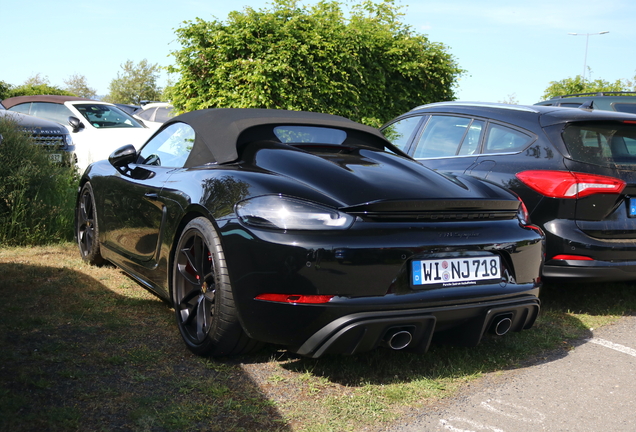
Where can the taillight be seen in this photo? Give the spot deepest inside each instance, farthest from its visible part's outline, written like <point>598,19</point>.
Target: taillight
<point>522,213</point>
<point>524,217</point>
<point>566,184</point>
<point>295,298</point>
<point>572,258</point>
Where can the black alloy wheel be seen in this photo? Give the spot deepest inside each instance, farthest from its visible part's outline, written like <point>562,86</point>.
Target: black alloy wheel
<point>86,228</point>
<point>202,294</point>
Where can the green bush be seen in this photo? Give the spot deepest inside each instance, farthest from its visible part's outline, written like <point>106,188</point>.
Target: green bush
<point>37,196</point>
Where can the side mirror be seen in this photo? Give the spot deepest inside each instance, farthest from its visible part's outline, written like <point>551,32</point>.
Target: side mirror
<point>123,156</point>
<point>75,123</point>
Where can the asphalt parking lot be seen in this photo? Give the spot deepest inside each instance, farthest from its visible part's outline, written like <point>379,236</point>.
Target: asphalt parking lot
<point>592,388</point>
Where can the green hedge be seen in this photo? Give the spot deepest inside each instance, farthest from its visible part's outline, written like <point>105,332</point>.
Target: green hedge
<point>37,196</point>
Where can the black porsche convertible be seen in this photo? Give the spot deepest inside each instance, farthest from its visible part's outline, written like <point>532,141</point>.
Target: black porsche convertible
<point>308,231</point>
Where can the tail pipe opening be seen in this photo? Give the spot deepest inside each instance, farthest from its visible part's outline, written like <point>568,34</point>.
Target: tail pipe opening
<point>398,338</point>
<point>501,324</point>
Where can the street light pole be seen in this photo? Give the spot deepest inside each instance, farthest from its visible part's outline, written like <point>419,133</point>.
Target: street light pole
<point>587,39</point>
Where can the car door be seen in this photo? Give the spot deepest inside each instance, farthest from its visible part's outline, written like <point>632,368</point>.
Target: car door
<point>508,150</point>
<point>135,209</point>
<point>505,152</point>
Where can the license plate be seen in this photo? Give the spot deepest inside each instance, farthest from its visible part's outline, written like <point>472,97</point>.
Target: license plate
<point>56,157</point>
<point>632,207</point>
<point>447,272</point>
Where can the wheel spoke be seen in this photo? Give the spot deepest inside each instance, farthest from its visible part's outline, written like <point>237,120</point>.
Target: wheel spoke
<point>84,241</point>
<point>87,207</point>
<point>209,295</point>
<point>187,253</point>
<point>202,319</point>
<point>199,255</point>
<point>83,207</point>
<point>187,298</point>
<point>188,313</point>
<point>192,279</point>
<point>189,269</point>
<point>82,215</point>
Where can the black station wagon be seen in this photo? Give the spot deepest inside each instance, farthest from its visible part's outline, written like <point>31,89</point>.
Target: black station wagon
<point>573,168</point>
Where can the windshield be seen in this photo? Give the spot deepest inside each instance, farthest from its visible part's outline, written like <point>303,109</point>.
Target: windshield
<point>106,116</point>
<point>602,143</point>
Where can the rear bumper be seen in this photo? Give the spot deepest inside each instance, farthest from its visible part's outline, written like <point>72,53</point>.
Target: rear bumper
<point>612,260</point>
<point>465,325</point>
<point>590,271</point>
<point>368,272</point>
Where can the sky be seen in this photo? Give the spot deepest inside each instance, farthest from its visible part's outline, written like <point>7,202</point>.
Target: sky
<point>510,49</point>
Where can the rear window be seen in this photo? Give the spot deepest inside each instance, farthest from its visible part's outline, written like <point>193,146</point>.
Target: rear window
<point>625,107</point>
<point>602,143</point>
<point>164,114</point>
<point>502,139</point>
<point>309,134</point>
<point>572,104</point>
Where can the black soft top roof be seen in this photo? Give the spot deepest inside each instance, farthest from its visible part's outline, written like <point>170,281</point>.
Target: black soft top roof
<point>221,132</point>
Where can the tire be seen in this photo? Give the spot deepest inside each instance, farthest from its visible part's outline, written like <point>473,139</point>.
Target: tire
<point>86,227</point>
<point>202,295</point>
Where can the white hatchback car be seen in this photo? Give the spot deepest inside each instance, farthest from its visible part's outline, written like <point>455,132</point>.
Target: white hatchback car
<point>98,128</point>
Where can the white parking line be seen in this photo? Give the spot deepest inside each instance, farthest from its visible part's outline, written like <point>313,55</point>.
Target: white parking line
<point>614,346</point>
<point>478,426</point>
<point>513,411</point>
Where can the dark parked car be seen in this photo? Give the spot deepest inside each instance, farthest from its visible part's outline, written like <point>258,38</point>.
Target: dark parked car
<point>608,101</point>
<point>97,127</point>
<point>574,169</point>
<point>310,231</point>
<point>54,137</point>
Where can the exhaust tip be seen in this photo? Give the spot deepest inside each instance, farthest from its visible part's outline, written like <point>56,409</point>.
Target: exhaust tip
<point>501,325</point>
<point>397,339</point>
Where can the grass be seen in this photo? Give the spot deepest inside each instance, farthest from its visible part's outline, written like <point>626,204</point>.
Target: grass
<point>37,196</point>
<point>86,348</point>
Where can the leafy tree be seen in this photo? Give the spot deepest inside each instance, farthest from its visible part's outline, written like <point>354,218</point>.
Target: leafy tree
<point>135,83</point>
<point>39,89</point>
<point>511,99</point>
<point>5,90</point>
<point>78,85</point>
<point>167,93</point>
<point>368,67</point>
<point>579,85</point>
<point>34,85</point>
<point>36,80</point>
